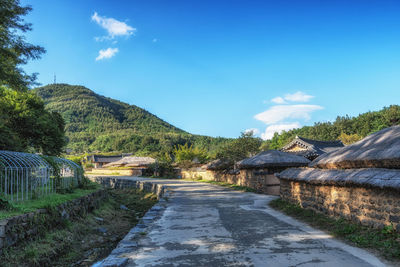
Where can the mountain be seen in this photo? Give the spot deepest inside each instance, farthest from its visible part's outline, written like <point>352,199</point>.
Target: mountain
<point>98,123</point>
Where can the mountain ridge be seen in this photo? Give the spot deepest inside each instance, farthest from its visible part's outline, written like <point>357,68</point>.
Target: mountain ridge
<point>91,118</point>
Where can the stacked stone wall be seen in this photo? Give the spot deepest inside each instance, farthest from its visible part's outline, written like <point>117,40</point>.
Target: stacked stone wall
<point>370,206</point>
<point>121,183</point>
<point>262,180</point>
<point>125,172</point>
<point>29,225</point>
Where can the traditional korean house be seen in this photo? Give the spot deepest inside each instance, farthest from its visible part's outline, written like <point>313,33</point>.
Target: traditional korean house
<point>309,148</point>
<point>360,182</point>
<point>137,164</point>
<point>258,172</point>
<point>100,160</point>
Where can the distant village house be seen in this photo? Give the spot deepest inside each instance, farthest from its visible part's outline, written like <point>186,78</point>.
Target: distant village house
<point>99,161</point>
<point>137,165</point>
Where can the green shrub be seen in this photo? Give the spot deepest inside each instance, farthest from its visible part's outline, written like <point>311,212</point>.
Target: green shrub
<point>245,146</point>
<point>187,155</point>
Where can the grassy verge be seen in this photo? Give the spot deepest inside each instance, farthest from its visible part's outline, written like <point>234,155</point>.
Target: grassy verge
<point>47,201</point>
<point>386,241</point>
<point>232,186</point>
<point>116,173</point>
<point>86,240</point>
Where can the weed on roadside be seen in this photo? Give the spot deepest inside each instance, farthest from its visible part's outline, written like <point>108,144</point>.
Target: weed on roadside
<point>385,241</point>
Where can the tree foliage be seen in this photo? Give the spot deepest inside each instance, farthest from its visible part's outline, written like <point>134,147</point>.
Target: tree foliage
<point>185,154</point>
<point>14,50</point>
<point>348,129</point>
<point>245,146</point>
<point>349,139</point>
<point>25,125</point>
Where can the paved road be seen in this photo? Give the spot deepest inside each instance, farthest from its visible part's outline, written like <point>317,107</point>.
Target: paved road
<point>208,225</point>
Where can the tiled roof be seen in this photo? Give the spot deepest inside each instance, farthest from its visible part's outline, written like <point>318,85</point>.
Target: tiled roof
<point>312,147</point>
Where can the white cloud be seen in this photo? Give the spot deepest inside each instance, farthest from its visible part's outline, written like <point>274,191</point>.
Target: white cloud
<point>278,128</point>
<point>284,115</point>
<point>113,27</point>
<point>107,53</point>
<point>298,97</point>
<point>281,112</point>
<point>255,131</point>
<point>278,100</point>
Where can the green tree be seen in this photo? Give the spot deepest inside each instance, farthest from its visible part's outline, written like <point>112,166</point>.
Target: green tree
<point>245,146</point>
<point>186,155</point>
<point>349,139</point>
<point>25,125</point>
<point>14,50</point>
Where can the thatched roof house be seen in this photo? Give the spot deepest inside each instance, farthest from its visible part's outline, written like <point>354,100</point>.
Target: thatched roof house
<point>367,159</point>
<point>218,164</point>
<point>100,160</point>
<point>274,159</point>
<point>311,149</point>
<point>359,182</point>
<point>378,150</point>
<point>132,162</point>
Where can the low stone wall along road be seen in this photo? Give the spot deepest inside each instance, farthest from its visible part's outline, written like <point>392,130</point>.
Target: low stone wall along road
<point>207,225</point>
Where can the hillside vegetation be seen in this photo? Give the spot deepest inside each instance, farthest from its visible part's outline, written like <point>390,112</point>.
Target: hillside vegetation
<point>348,129</point>
<point>97,123</point>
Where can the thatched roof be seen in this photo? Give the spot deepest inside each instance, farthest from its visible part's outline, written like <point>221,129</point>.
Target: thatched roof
<point>378,150</point>
<point>132,162</point>
<point>273,158</point>
<point>106,158</point>
<point>312,148</point>
<point>218,164</point>
<point>373,177</point>
<point>103,159</point>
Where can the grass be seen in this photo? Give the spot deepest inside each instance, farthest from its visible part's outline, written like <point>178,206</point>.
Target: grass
<point>385,242</point>
<point>84,241</point>
<point>116,173</point>
<point>232,186</point>
<point>46,201</point>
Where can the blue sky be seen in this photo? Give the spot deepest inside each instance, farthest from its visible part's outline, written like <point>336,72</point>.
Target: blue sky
<point>220,67</point>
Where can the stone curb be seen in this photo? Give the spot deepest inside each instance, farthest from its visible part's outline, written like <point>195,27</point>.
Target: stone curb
<point>119,257</point>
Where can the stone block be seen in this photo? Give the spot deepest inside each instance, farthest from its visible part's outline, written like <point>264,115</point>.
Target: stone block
<point>2,231</point>
<point>394,218</point>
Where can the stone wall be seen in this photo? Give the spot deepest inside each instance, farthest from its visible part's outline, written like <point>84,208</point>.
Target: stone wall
<point>25,226</point>
<point>262,180</point>
<point>125,172</point>
<point>370,206</point>
<point>120,183</point>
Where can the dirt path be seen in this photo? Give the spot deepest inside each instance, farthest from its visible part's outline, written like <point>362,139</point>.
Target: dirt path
<point>208,225</point>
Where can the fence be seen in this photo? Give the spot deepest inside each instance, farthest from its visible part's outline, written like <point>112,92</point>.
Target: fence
<point>25,176</point>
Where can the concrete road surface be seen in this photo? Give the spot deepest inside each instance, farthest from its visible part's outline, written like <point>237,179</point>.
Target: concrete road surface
<point>209,225</point>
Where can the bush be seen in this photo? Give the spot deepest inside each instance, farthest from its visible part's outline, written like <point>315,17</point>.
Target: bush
<point>161,169</point>
<point>245,146</point>
<point>188,155</point>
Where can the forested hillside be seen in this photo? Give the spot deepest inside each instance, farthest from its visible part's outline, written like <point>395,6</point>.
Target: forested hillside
<point>97,123</point>
<point>348,129</point>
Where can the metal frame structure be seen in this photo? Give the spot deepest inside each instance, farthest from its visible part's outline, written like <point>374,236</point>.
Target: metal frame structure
<point>25,176</point>
<point>69,172</point>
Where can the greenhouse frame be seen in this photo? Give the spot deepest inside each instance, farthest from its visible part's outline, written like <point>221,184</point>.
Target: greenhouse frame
<point>26,176</point>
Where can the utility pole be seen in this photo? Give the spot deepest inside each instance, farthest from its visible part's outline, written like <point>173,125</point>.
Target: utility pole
<point>55,79</point>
